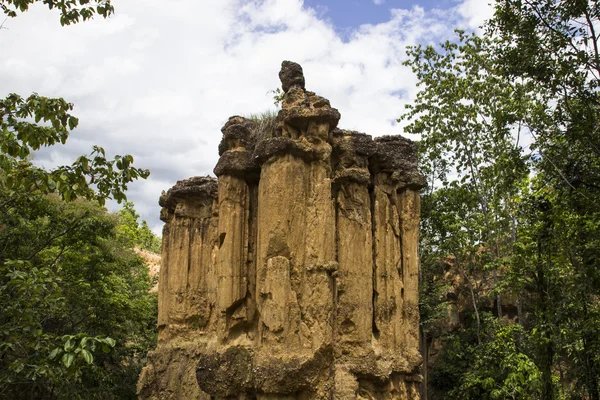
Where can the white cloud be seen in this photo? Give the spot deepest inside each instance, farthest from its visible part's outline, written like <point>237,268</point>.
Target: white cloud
<point>476,12</point>
<point>159,81</point>
<point>378,2</point>
<point>162,106</point>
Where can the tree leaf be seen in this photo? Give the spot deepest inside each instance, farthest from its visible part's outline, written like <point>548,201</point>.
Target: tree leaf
<point>87,356</point>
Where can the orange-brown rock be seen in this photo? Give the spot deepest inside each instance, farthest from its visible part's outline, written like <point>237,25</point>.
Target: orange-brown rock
<point>152,260</point>
<point>295,274</point>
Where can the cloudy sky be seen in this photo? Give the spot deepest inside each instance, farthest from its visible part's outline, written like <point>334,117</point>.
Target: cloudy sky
<point>158,79</point>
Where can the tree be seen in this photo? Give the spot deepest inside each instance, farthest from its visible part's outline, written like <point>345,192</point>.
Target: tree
<point>137,234</point>
<point>76,313</point>
<point>91,177</point>
<point>554,46</point>
<point>465,116</point>
<point>498,367</point>
<point>472,153</point>
<point>509,126</point>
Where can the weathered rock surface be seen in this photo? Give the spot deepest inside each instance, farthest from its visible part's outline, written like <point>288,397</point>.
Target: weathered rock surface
<point>295,274</point>
<point>291,75</point>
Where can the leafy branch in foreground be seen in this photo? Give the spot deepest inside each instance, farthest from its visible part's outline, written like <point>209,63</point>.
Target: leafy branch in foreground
<point>71,11</point>
<point>92,176</point>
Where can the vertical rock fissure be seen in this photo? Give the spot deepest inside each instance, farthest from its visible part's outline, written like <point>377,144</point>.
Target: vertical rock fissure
<point>333,275</point>
<point>251,260</point>
<point>403,254</point>
<point>189,250</point>
<point>374,251</point>
<point>394,203</point>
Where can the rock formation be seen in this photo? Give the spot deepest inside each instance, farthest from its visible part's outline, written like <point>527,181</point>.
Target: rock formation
<point>294,275</point>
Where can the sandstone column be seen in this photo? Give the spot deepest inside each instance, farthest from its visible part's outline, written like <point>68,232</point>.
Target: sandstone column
<point>396,185</point>
<point>186,290</point>
<point>354,243</point>
<point>409,182</point>
<point>235,267</point>
<point>388,297</point>
<point>296,234</point>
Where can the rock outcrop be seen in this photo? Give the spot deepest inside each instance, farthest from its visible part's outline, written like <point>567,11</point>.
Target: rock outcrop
<point>152,260</point>
<point>294,275</point>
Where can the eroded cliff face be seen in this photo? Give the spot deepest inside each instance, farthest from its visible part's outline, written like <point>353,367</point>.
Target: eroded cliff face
<point>294,275</point>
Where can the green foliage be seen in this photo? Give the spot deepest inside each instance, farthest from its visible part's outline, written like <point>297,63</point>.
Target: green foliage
<point>496,368</point>
<point>465,113</point>
<point>76,306</point>
<point>136,234</point>
<point>510,144</point>
<point>500,369</point>
<point>554,46</point>
<point>92,176</point>
<point>278,95</point>
<point>73,300</point>
<point>466,116</point>
<point>71,11</point>
<point>76,312</point>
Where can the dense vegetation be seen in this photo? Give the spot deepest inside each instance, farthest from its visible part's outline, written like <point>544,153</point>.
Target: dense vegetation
<point>510,144</point>
<point>136,234</point>
<point>76,313</point>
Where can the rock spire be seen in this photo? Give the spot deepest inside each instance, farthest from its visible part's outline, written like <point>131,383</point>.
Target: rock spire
<point>294,273</point>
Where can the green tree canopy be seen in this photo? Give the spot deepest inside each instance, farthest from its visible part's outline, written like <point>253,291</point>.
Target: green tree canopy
<point>76,312</point>
<point>509,125</point>
<point>136,233</point>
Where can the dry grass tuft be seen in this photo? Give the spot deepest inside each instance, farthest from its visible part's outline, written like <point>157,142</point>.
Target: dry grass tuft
<point>264,124</point>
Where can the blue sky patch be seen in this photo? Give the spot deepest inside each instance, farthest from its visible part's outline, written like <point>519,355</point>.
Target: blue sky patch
<point>346,15</point>
<point>401,94</point>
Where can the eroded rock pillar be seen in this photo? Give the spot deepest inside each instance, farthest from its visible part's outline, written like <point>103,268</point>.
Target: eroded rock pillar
<point>296,256</point>
<point>354,243</point>
<point>409,205</point>
<point>297,276</point>
<point>396,185</point>
<point>237,198</point>
<point>187,290</point>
